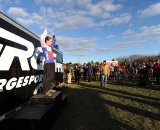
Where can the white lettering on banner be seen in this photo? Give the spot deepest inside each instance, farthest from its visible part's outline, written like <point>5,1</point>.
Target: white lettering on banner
<point>2,83</point>
<point>9,53</point>
<point>25,81</point>
<point>1,47</point>
<point>19,82</point>
<point>59,66</point>
<point>31,79</point>
<point>11,83</point>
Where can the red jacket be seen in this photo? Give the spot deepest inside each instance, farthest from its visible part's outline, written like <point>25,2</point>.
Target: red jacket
<point>156,68</point>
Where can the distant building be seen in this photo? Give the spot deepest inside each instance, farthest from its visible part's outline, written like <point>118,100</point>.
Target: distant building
<point>115,63</point>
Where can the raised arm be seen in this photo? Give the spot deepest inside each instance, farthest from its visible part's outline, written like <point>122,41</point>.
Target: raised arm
<point>43,36</point>
<point>53,41</point>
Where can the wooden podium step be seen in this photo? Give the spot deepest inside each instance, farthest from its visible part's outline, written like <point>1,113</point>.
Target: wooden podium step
<point>43,99</point>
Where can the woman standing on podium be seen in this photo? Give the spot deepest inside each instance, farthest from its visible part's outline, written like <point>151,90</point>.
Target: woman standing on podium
<point>47,44</point>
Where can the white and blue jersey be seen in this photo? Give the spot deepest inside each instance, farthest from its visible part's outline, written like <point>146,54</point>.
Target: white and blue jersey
<point>47,50</point>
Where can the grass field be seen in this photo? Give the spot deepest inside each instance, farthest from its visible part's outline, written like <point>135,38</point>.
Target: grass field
<point>117,107</point>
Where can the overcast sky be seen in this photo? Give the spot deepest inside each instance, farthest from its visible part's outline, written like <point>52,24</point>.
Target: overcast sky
<point>92,29</point>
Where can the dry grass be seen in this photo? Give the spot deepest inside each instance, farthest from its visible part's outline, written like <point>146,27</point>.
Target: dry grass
<point>117,107</point>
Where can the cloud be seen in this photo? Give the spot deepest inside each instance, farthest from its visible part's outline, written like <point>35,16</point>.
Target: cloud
<point>1,8</point>
<point>122,44</point>
<point>152,10</point>
<point>145,35</point>
<point>122,19</point>
<point>34,18</point>
<point>9,2</point>
<point>109,6</point>
<point>1,5</point>
<point>39,2</point>
<point>107,49</point>
<point>17,11</point>
<point>77,45</point>
<point>110,36</point>
<point>102,8</point>
<point>127,33</point>
<point>69,14</point>
<point>94,8</point>
<point>72,19</point>
<point>150,30</point>
<point>24,18</point>
<point>75,21</point>
<point>12,1</point>
<point>5,3</point>
<point>148,33</point>
<point>116,47</point>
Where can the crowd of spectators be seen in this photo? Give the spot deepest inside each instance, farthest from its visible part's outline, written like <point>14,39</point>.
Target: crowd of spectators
<point>144,72</point>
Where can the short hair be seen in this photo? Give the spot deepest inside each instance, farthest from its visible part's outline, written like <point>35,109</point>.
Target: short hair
<point>104,61</point>
<point>47,38</point>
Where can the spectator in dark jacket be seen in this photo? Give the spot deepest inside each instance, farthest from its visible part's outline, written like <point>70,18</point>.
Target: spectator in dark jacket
<point>90,72</point>
<point>85,69</point>
<point>77,74</point>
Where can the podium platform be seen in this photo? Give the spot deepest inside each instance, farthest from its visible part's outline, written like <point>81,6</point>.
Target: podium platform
<point>39,115</point>
<point>43,99</point>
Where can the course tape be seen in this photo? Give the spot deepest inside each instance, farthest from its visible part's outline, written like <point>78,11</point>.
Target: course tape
<point>13,111</point>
